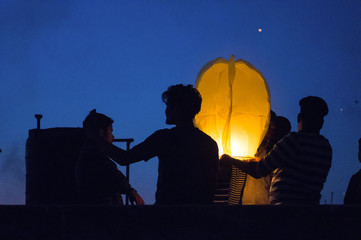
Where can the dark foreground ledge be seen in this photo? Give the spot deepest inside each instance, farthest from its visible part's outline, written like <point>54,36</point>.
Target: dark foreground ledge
<point>180,222</point>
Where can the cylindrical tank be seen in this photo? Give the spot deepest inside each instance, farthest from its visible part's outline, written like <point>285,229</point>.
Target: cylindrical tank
<point>50,159</point>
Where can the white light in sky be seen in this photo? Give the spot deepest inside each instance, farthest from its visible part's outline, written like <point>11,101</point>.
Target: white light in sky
<point>259,29</point>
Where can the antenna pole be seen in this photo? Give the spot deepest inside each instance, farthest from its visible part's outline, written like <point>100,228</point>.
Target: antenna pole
<point>38,118</point>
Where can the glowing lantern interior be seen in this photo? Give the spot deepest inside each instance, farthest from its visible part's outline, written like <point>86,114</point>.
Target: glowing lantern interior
<point>235,107</point>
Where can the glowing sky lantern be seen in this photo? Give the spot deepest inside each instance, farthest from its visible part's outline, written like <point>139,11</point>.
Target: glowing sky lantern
<point>235,107</point>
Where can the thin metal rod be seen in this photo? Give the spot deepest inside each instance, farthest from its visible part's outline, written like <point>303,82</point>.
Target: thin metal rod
<point>127,170</point>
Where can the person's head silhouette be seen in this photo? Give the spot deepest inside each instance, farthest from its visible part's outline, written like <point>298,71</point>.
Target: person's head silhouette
<point>283,127</point>
<point>183,103</point>
<point>310,118</point>
<point>272,126</point>
<point>100,124</point>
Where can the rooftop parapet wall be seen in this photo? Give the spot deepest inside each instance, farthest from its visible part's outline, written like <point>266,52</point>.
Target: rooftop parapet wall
<point>180,222</point>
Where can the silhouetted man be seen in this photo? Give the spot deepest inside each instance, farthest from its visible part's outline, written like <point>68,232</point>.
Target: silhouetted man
<point>188,158</point>
<point>353,193</point>
<point>301,160</point>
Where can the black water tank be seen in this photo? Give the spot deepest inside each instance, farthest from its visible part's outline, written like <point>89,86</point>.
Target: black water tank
<point>50,158</point>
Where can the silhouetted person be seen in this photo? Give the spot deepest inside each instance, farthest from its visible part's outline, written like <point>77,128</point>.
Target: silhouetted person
<point>353,193</point>
<point>256,191</point>
<point>188,158</point>
<point>300,161</point>
<point>282,128</point>
<point>97,177</point>
<point>267,142</point>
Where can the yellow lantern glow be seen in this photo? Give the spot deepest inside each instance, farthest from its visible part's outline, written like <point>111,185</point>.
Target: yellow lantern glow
<point>236,106</point>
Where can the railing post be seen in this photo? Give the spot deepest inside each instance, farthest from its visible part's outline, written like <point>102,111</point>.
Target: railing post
<point>127,170</point>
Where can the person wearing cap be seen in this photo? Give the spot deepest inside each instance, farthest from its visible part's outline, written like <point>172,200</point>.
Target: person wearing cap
<point>300,161</point>
<point>353,193</point>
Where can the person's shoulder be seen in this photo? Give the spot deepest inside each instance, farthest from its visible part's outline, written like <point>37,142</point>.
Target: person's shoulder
<point>325,141</point>
<point>315,139</point>
<point>91,154</point>
<point>159,134</point>
<point>313,136</point>
<point>163,131</point>
<point>316,136</point>
<point>89,147</point>
<point>290,136</point>
<point>205,136</point>
<point>357,175</point>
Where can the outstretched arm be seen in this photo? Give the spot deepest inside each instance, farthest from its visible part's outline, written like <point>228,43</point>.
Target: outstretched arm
<point>122,157</point>
<point>142,151</point>
<point>276,158</point>
<point>249,167</point>
<point>119,155</point>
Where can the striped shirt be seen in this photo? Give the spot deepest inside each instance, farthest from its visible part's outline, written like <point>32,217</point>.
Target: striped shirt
<point>301,162</point>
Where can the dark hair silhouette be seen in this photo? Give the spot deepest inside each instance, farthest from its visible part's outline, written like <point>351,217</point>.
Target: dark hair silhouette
<point>186,99</point>
<point>273,116</point>
<point>283,127</point>
<point>97,121</point>
<point>271,127</point>
<point>313,109</point>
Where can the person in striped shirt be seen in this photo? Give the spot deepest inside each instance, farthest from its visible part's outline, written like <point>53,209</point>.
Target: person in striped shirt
<point>300,161</point>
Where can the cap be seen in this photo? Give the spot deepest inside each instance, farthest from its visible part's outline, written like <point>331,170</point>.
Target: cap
<point>314,107</point>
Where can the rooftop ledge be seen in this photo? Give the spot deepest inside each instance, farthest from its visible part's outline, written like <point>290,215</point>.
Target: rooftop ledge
<point>180,222</point>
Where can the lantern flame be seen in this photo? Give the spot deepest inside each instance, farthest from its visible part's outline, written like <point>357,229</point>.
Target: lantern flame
<point>236,106</point>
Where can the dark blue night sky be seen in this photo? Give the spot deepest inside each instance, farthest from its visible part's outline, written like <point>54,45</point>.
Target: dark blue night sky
<point>64,58</point>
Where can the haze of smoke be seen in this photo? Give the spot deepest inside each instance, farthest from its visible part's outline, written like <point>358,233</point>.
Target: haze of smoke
<point>12,175</point>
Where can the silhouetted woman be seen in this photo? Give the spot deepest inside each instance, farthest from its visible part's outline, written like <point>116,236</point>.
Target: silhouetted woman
<point>98,179</point>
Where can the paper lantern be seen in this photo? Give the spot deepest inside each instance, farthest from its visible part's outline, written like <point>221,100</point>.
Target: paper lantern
<point>236,106</point>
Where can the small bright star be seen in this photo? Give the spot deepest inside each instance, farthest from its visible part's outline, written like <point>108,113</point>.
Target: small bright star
<point>259,29</point>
